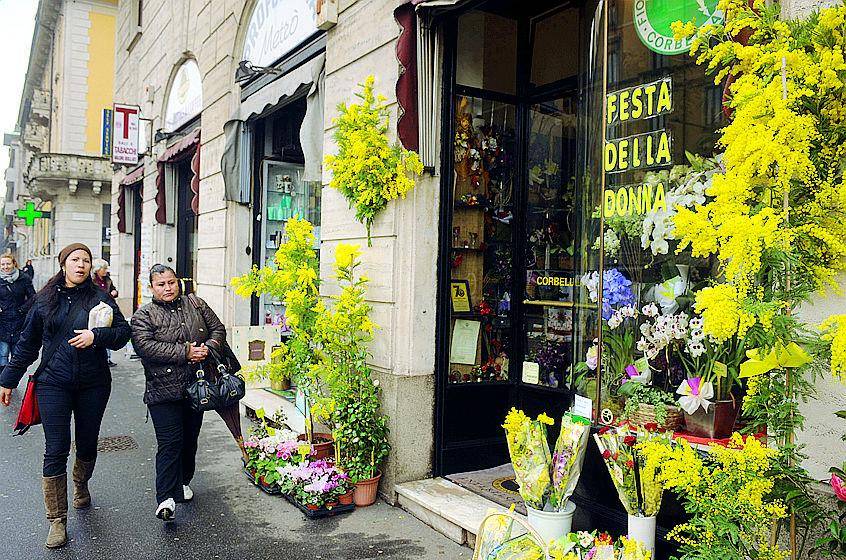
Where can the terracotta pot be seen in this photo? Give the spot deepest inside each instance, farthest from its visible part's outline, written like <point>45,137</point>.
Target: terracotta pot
<point>346,499</point>
<point>716,423</point>
<point>365,491</point>
<point>280,384</point>
<point>324,446</point>
<point>312,507</point>
<point>330,505</point>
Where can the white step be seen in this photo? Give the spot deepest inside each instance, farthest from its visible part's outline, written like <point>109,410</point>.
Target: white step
<point>446,507</point>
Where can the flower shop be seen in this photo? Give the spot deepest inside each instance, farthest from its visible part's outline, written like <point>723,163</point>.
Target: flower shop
<point>638,198</point>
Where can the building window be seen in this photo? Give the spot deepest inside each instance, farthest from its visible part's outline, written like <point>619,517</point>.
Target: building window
<point>135,19</point>
<point>106,243</point>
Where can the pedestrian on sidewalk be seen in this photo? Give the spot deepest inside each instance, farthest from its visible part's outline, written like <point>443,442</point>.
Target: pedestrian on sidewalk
<point>100,275</point>
<point>28,269</point>
<point>73,378</point>
<point>172,335</point>
<point>15,291</point>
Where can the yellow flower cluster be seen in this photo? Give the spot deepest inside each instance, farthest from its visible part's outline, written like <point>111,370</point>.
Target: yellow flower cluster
<point>367,169</point>
<point>834,331</point>
<point>723,313</point>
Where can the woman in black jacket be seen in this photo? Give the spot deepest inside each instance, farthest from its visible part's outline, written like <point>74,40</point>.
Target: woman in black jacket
<point>172,335</point>
<point>15,290</point>
<point>72,379</point>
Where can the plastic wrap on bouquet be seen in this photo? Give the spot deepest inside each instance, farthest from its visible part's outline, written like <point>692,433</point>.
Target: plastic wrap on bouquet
<point>567,460</point>
<point>520,548</point>
<point>530,457</point>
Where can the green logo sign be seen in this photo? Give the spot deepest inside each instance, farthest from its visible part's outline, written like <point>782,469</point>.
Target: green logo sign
<point>653,20</point>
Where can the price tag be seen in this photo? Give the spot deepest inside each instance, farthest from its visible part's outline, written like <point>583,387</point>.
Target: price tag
<point>583,406</point>
<point>720,369</point>
<point>531,373</point>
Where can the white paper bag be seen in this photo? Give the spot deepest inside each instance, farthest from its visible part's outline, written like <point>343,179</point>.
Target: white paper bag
<point>100,316</point>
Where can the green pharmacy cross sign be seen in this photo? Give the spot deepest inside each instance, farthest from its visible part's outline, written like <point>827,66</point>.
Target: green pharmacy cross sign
<point>29,214</point>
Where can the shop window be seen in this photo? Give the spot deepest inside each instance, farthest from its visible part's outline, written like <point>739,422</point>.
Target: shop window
<point>487,52</point>
<point>555,55</point>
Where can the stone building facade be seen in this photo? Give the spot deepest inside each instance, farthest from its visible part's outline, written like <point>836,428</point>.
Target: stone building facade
<point>59,165</point>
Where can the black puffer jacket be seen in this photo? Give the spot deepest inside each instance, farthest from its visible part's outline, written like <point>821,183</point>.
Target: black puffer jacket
<point>161,335</point>
<point>69,366</point>
<point>13,297</point>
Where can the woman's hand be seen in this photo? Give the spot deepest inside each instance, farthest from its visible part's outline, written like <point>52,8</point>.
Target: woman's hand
<point>113,293</point>
<point>197,353</point>
<point>5,396</point>
<point>83,339</point>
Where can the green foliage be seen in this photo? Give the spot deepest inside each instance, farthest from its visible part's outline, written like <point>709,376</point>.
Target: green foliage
<point>368,170</point>
<point>638,393</point>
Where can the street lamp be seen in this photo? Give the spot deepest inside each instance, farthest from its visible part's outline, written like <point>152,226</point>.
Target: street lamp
<point>246,71</point>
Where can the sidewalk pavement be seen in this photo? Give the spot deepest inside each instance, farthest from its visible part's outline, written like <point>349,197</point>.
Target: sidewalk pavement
<point>229,519</point>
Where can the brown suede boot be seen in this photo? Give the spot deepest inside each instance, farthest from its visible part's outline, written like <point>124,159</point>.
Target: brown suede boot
<point>56,503</point>
<point>82,471</point>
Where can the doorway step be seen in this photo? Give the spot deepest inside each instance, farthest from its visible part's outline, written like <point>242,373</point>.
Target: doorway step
<point>446,507</point>
<point>497,484</point>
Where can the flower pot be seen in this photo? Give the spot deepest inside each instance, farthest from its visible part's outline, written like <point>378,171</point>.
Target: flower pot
<point>280,384</point>
<point>346,499</point>
<point>716,423</point>
<point>330,505</point>
<point>312,507</point>
<point>365,491</point>
<point>551,525</point>
<point>323,445</point>
<point>642,529</point>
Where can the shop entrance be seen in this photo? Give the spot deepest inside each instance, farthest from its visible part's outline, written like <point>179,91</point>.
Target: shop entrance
<point>186,221</point>
<point>510,324</point>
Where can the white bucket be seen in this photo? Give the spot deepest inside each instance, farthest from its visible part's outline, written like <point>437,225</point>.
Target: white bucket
<point>643,529</point>
<point>551,525</point>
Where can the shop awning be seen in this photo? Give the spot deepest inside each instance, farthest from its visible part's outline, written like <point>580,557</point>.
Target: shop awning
<point>130,179</point>
<point>133,176</point>
<point>187,146</point>
<point>178,151</point>
<point>310,75</point>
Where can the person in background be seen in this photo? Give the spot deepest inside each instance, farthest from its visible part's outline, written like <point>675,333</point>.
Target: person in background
<point>72,380</point>
<point>172,335</point>
<point>28,269</point>
<point>100,275</point>
<point>15,291</point>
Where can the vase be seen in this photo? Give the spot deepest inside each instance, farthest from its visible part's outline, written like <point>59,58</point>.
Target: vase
<point>715,423</point>
<point>551,525</point>
<point>365,491</point>
<point>346,499</point>
<point>280,384</point>
<point>642,529</point>
<point>323,445</point>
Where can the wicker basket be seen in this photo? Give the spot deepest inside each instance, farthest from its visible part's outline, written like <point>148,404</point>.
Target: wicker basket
<point>645,414</point>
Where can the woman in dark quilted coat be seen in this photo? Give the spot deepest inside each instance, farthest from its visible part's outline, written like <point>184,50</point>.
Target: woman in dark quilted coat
<point>172,335</point>
<point>72,379</point>
<point>15,291</point>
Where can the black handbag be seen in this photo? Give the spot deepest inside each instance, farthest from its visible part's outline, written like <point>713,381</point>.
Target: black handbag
<point>202,394</point>
<point>231,387</point>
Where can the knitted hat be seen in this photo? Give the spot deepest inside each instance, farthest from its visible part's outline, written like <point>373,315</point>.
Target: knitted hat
<point>65,253</point>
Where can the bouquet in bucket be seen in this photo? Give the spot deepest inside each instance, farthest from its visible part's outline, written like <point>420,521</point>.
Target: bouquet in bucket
<point>546,480</point>
<point>637,486</point>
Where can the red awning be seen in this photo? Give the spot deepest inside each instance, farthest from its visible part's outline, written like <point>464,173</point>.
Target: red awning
<point>188,146</point>
<point>406,89</point>
<point>180,149</point>
<point>133,176</point>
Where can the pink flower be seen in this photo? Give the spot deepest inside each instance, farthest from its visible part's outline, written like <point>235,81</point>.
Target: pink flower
<point>839,487</point>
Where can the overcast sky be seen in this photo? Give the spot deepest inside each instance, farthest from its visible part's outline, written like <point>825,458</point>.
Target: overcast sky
<point>17,19</point>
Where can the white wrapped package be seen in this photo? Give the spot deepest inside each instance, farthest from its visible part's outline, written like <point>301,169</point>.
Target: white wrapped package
<point>100,316</point>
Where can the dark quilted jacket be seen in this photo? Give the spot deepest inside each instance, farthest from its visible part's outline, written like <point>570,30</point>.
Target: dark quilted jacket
<point>69,366</point>
<point>13,297</point>
<point>161,334</point>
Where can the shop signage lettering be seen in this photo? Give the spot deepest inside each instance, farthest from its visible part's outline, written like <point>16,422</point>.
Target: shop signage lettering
<point>639,102</point>
<point>651,149</point>
<point>653,21</point>
<point>125,134</point>
<point>276,27</point>
<point>185,98</point>
<point>634,200</point>
<point>557,281</point>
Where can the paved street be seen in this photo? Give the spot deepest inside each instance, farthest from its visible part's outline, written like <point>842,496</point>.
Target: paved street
<point>229,518</point>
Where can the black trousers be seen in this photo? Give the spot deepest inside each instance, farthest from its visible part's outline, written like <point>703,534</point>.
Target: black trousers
<point>177,430</point>
<point>56,404</point>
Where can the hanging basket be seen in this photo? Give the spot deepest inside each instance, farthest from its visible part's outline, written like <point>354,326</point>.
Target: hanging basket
<point>646,414</point>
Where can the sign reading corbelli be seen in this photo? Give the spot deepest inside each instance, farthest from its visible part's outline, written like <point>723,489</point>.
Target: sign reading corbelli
<point>276,27</point>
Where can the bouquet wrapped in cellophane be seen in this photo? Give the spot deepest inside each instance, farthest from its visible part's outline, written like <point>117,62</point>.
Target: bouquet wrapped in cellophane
<point>530,456</point>
<point>546,481</point>
<point>638,489</point>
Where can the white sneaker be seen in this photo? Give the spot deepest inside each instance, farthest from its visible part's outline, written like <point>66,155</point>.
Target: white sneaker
<point>187,493</point>
<point>166,510</point>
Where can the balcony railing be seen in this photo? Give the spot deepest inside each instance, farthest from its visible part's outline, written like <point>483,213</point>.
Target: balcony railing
<point>69,166</point>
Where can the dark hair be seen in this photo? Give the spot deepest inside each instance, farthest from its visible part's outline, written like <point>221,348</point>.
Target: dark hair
<point>159,268</point>
<point>49,294</point>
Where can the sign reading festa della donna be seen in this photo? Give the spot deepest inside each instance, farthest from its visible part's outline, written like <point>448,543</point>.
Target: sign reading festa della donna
<point>639,151</point>
<point>125,134</point>
<point>276,27</point>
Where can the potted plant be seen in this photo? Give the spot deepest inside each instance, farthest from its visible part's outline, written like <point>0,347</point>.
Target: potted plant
<point>546,480</point>
<point>647,404</point>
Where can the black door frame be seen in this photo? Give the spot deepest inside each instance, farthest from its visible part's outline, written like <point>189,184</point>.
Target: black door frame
<point>137,221</point>
<point>184,217</point>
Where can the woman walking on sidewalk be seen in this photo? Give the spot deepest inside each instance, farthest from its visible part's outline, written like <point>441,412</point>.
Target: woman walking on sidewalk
<point>72,378</point>
<point>15,291</point>
<point>172,335</point>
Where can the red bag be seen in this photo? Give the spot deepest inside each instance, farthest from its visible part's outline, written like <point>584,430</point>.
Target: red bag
<point>28,415</point>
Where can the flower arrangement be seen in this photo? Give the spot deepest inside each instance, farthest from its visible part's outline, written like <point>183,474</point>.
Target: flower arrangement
<point>637,485</point>
<point>267,453</point>
<point>314,483</point>
<point>728,493</point>
<point>546,480</point>
<point>368,170</point>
